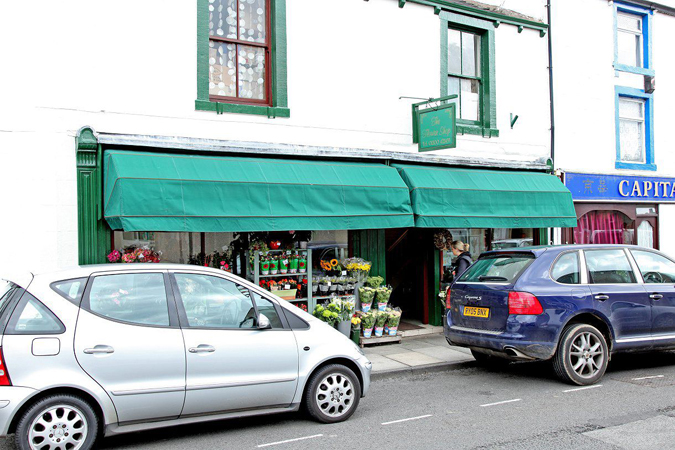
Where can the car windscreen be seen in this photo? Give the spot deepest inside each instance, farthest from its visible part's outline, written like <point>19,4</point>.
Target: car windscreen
<point>498,268</point>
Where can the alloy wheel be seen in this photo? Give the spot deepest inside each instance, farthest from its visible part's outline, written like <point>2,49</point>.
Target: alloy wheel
<point>335,395</point>
<point>586,355</point>
<point>60,427</point>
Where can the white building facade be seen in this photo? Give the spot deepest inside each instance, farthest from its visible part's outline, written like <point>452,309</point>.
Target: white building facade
<point>612,119</point>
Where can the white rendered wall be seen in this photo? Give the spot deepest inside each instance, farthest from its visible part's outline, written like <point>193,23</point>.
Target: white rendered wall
<point>129,67</point>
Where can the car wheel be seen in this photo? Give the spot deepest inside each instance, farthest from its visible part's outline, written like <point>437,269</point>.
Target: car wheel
<point>582,355</point>
<point>489,360</point>
<point>62,422</point>
<point>332,394</point>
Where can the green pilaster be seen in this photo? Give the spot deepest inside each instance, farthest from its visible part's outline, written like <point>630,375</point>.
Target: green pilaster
<point>435,313</point>
<point>370,245</point>
<point>93,232</point>
<point>543,236</point>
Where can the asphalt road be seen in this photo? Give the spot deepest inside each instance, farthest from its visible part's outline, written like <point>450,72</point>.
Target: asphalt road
<point>522,406</point>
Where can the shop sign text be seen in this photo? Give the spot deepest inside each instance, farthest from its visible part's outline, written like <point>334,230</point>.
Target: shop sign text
<point>620,187</point>
<point>437,128</point>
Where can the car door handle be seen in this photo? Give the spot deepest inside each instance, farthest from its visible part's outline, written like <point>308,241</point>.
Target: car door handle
<point>602,297</point>
<point>203,348</point>
<point>656,296</point>
<point>99,349</point>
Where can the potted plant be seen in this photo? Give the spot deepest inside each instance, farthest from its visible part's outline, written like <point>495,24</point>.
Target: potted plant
<point>274,265</point>
<point>265,266</point>
<point>393,321</point>
<point>283,264</point>
<point>327,314</point>
<point>315,285</point>
<point>293,264</point>
<point>366,296</point>
<point>380,320</point>
<point>333,285</point>
<point>323,286</point>
<point>367,324</point>
<point>382,296</point>
<point>374,282</point>
<point>302,263</point>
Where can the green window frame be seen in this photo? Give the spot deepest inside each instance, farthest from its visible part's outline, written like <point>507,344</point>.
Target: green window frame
<point>277,67</point>
<point>486,125</point>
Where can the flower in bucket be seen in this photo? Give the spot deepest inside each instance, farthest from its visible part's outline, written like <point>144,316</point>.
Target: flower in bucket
<point>382,295</point>
<point>393,320</point>
<point>114,256</point>
<point>356,322</point>
<point>367,323</point>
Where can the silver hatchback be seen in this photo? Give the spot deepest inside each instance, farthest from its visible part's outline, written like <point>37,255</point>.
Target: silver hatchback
<point>102,350</point>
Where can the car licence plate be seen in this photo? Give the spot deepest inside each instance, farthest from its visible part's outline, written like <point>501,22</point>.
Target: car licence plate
<point>476,312</point>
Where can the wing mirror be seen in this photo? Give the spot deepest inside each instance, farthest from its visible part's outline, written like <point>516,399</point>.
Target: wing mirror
<point>263,322</point>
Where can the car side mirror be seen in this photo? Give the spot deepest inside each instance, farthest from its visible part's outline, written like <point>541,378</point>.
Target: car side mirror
<point>263,322</point>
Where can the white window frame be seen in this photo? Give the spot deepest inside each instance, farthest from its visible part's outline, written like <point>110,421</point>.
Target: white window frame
<point>638,120</point>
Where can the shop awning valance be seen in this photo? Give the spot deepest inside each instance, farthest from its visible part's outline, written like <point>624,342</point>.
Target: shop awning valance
<point>469,198</point>
<point>167,192</point>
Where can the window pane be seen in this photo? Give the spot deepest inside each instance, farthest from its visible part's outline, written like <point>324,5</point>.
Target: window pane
<point>453,89</point>
<point>470,54</point>
<point>71,289</point>
<point>266,307</point>
<point>251,72</point>
<point>604,227</point>
<point>223,18</point>
<point>631,109</point>
<point>608,267</point>
<point>222,78</point>
<point>32,317</point>
<point>215,302</point>
<point>629,22</point>
<point>629,48</point>
<point>252,20</point>
<point>645,235</point>
<point>135,298</point>
<point>566,269</point>
<point>470,100</point>
<point>632,141</point>
<point>654,267</point>
<point>454,55</point>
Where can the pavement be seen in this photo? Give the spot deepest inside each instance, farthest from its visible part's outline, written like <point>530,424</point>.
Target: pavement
<point>414,355</point>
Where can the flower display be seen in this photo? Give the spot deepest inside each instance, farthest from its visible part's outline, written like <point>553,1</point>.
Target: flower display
<point>134,255</point>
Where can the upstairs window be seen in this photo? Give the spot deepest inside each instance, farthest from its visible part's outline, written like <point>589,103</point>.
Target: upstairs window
<point>632,39</point>
<point>468,71</point>
<point>239,50</point>
<point>634,129</point>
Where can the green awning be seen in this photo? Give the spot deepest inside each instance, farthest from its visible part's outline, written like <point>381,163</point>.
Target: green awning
<point>469,198</point>
<point>166,192</point>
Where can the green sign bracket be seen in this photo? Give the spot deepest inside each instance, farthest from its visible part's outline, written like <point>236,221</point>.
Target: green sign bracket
<point>434,127</point>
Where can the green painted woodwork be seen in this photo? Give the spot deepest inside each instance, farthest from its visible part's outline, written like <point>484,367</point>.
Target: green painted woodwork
<point>170,192</point>
<point>487,125</point>
<point>469,198</point>
<point>435,309</point>
<point>93,232</point>
<point>495,17</point>
<point>278,56</point>
<point>543,236</point>
<point>370,245</point>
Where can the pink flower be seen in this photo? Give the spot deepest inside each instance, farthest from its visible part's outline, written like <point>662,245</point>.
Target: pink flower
<point>114,256</point>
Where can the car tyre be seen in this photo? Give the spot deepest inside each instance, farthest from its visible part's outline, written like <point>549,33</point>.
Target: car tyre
<point>582,355</point>
<point>489,360</point>
<point>332,394</point>
<point>60,421</point>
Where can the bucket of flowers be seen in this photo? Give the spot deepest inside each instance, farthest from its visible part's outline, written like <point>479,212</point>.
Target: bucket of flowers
<point>380,320</point>
<point>391,328</point>
<point>357,267</point>
<point>367,324</point>
<point>345,310</point>
<point>356,328</point>
<point>134,255</point>
<point>327,314</point>
<point>382,297</point>
<point>366,296</point>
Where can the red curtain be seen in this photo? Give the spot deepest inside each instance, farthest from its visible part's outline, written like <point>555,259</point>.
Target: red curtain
<point>601,227</point>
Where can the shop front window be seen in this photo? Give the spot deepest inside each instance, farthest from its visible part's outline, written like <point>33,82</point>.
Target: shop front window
<point>604,227</point>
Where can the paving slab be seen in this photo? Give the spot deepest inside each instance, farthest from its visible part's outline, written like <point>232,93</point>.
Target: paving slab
<point>383,364</point>
<point>446,354</point>
<point>414,358</point>
<point>650,434</point>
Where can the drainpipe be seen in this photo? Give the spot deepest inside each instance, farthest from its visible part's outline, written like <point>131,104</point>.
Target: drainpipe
<point>550,80</point>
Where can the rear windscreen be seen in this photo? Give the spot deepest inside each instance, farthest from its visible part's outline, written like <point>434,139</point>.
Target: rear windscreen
<point>499,268</point>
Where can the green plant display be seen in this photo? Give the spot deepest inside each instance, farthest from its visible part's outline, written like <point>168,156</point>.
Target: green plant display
<point>374,282</point>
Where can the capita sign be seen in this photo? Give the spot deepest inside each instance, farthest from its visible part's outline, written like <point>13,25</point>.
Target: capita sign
<point>621,188</point>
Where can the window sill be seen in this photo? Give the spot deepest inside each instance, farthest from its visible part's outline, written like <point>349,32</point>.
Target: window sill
<point>635,166</point>
<point>218,107</point>
<point>477,130</point>
<point>633,69</point>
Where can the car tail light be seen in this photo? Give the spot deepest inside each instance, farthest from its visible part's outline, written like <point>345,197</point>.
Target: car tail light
<point>4,375</point>
<point>524,303</point>
<point>448,302</point>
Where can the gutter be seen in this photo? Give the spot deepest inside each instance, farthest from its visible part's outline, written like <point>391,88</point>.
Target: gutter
<point>657,7</point>
<point>550,82</point>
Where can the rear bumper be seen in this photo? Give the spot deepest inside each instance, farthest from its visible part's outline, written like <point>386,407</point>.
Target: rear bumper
<point>11,399</point>
<point>509,345</point>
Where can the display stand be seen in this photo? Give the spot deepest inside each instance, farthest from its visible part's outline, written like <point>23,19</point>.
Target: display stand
<point>256,276</point>
<point>380,340</point>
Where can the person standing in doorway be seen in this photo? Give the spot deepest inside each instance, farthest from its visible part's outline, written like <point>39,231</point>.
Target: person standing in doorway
<point>463,261</point>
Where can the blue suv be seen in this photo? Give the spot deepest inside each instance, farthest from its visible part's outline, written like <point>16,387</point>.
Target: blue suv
<point>574,305</point>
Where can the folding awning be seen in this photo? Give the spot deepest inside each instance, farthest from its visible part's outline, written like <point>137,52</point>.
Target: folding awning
<point>171,192</point>
<point>469,198</point>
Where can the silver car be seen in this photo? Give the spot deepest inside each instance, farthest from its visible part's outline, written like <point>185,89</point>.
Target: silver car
<point>102,350</point>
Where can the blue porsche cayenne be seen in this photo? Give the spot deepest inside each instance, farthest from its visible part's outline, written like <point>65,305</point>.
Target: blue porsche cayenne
<point>573,305</point>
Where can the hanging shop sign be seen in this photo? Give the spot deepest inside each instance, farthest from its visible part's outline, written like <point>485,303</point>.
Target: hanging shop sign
<point>620,188</point>
<point>434,127</point>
